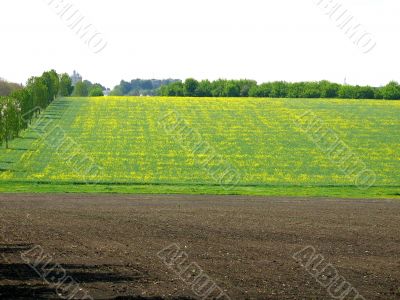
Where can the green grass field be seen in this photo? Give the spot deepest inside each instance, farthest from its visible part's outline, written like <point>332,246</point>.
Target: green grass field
<point>147,145</point>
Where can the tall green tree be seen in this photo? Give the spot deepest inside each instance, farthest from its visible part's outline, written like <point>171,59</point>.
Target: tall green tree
<point>245,86</point>
<point>204,89</point>
<point>81,89</point>
<point>39,91</point>
<point>279,89</point>
<point>218,88</point>
<point>66,87</point>
<point>190,87</point>
<point>231,89</point>
<point>328,89</point>
<point>25,100</point>
<point>174,89</point>
<point>96,91</point>
<point>10,119</point>
<point>52,83</point>
<point>391,91</point>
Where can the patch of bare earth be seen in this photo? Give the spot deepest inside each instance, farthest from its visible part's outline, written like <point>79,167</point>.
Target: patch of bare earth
<point>109,244</point>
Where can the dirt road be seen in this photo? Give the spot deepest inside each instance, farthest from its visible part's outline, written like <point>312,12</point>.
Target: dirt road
<point>109,246</point>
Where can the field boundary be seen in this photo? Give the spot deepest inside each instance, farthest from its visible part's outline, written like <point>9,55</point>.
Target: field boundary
<point>383,192</point>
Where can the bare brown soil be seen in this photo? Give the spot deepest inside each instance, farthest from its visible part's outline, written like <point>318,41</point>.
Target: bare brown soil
<point>109,244</point>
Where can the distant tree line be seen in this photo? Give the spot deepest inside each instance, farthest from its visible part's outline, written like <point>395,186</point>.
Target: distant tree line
<point>19,107</point>
<point>6,88</point>
<point>138,87</point>
<point>278,89</point>
<point>86,88</point>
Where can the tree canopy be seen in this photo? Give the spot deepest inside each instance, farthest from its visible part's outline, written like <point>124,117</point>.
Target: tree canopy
<point>66,87</point>
<point>278,89</point>
<point>137,87</point>
<point>18,109</point>
<point>87,89</point>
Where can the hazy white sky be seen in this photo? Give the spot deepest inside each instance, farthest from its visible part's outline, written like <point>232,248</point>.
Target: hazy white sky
<point>292,40</point>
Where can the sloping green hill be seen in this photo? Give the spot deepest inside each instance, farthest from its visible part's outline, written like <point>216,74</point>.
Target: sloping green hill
<point>210,145</point>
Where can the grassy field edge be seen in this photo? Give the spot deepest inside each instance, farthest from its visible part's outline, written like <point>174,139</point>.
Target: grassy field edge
<point>383,192</point>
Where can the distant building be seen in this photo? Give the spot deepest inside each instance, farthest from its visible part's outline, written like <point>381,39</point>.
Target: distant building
<point>75,78</point>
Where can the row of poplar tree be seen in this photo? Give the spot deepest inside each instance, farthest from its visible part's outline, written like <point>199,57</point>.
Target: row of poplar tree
<point>18,109</point>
